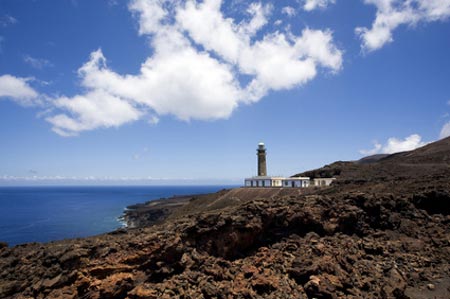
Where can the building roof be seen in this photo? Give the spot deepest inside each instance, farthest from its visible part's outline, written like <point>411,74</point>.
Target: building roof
<point>265,177</point>
<point>277,178</point>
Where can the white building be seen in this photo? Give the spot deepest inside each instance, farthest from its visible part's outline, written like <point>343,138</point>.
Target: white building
<point>298,182</point>
<point>320,182</point>
<point>268,181</point>
<point>264,181</point>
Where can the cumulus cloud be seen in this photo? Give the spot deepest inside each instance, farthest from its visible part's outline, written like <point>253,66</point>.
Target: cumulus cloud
<point>394,13</point>
<point>445,131</point>
<point>395,145</point>
<point>199,56</point>
<point>96,109</point>
<point>410,143</point>
<point>310,5</point>
<point>17,89</point>
<point>377,148</point>
<point>37,63</point>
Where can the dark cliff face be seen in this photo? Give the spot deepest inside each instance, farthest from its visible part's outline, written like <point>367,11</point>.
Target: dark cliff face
<point>386,235</point>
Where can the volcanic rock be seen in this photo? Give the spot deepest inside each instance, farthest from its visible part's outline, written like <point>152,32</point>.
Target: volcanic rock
<point>382,230</point>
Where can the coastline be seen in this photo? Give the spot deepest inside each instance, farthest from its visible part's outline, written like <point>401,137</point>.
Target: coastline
<point>156,211</point>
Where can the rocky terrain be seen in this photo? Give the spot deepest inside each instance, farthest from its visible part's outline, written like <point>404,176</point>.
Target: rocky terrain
<point>381,231</point>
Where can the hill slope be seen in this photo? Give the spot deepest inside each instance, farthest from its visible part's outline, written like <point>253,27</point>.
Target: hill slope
<point>431,160</point>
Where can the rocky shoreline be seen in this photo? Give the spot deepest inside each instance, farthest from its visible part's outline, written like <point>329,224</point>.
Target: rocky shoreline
<point>152,212</point>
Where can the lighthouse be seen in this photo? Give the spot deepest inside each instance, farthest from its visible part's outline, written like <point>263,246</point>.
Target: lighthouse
<point>261,153</point>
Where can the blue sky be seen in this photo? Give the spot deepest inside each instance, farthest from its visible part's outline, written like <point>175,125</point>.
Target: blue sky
<point>182,91</point>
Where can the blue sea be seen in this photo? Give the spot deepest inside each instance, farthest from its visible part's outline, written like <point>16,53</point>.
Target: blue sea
<point>43,214</point>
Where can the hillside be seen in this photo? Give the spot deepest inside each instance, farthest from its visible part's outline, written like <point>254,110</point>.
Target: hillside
<point>382,231</point>
<point>430,160</point>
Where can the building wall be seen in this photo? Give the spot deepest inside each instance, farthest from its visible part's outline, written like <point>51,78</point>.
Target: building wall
<point>323,181</point>
<point>287,183</point>
<point>277,183</point>
<point>258,183</point>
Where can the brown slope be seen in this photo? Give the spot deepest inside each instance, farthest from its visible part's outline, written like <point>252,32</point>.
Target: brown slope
<point>434,153</point>
<point>432,159</point>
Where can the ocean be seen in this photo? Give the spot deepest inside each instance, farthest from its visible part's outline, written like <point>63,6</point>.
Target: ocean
<point>43,214</point>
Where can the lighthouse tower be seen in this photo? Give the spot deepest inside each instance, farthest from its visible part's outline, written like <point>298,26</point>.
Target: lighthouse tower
<point>261,153</point>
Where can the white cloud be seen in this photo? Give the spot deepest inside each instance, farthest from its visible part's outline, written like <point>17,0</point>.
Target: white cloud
<point>394,13</point>
<point>310,5</point>
<point>198,58</point>
<point>445,131</point>
<point>37,63</point>
<point>181,82</point>
<point>289,11</point>
<point>96,109</point>
<point>395,145</point>
<point>17,89</point>
<point>377,147</point>
<point>277,61</point>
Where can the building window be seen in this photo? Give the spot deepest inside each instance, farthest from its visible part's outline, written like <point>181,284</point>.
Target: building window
<point>263,183</point>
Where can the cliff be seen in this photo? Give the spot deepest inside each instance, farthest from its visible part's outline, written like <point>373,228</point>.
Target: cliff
<point>382,231</point>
